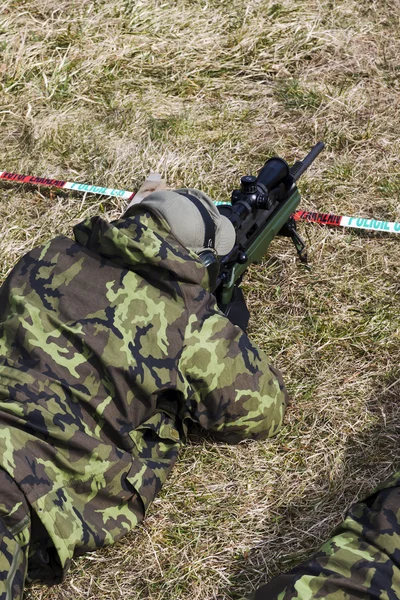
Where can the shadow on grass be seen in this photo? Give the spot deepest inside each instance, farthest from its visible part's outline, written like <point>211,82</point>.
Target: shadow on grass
<point>371,456</point>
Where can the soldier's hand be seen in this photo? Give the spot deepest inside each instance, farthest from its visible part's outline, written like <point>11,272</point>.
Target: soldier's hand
<point>152,183</point>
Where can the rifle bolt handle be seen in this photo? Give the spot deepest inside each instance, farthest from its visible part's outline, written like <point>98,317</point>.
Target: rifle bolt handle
<point>242,258</point>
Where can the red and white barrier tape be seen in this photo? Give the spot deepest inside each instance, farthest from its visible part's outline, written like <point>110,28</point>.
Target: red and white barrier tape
<point>300,215</point>
<point>66,185</point>
<point>342,221</point>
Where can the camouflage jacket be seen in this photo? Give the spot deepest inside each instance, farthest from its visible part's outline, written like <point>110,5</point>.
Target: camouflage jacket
<point>110,346</point>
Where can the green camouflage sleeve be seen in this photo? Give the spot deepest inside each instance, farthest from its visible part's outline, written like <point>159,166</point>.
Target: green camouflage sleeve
<point>15,531</point>
<point>361,560</point>
<point>234,393</point>
<point>13,564</point>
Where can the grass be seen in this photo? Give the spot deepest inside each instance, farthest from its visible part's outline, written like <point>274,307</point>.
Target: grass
<point>104,92</point>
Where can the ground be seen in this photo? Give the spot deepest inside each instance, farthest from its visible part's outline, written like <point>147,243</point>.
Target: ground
<point>203,91</point>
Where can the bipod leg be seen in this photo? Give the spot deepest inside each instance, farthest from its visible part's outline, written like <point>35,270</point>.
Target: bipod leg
<point>289,230</point>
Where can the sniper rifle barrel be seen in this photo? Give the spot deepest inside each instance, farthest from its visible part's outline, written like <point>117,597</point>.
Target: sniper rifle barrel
<point>302,165</point>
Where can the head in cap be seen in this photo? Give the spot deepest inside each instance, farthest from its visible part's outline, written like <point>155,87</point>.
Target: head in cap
<point>194,219</point>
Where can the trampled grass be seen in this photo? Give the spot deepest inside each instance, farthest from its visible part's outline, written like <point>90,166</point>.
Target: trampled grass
<point>205,91</point>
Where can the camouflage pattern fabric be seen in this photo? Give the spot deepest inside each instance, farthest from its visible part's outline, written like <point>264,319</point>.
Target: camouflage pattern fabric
<point>110,346</point>
<point>15,523</point>
<point>361,560</point>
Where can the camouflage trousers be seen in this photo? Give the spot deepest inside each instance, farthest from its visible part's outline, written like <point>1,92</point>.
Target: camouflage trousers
<point>361,560</point>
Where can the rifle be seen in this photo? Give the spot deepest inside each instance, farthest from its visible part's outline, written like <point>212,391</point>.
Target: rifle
<point>260,210</point>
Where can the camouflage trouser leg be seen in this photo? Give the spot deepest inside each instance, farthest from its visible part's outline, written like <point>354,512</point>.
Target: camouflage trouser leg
<point>14,538</point>
<point>361,560</point>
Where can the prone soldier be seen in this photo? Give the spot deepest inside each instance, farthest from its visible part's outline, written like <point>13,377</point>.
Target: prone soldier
<point>111,346</point>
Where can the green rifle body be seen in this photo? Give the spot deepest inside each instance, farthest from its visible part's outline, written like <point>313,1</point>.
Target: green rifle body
<point>260,211</point>
<point>257,249</point>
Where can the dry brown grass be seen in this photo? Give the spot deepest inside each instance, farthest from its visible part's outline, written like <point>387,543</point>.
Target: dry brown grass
<point>205,91</point>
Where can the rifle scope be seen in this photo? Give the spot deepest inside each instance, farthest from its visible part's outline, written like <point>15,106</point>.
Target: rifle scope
<point>274,173</point>
<point>262,192</point>
<point>272,186</point>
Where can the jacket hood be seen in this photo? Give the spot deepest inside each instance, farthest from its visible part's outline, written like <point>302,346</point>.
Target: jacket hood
<point>141,240</point>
